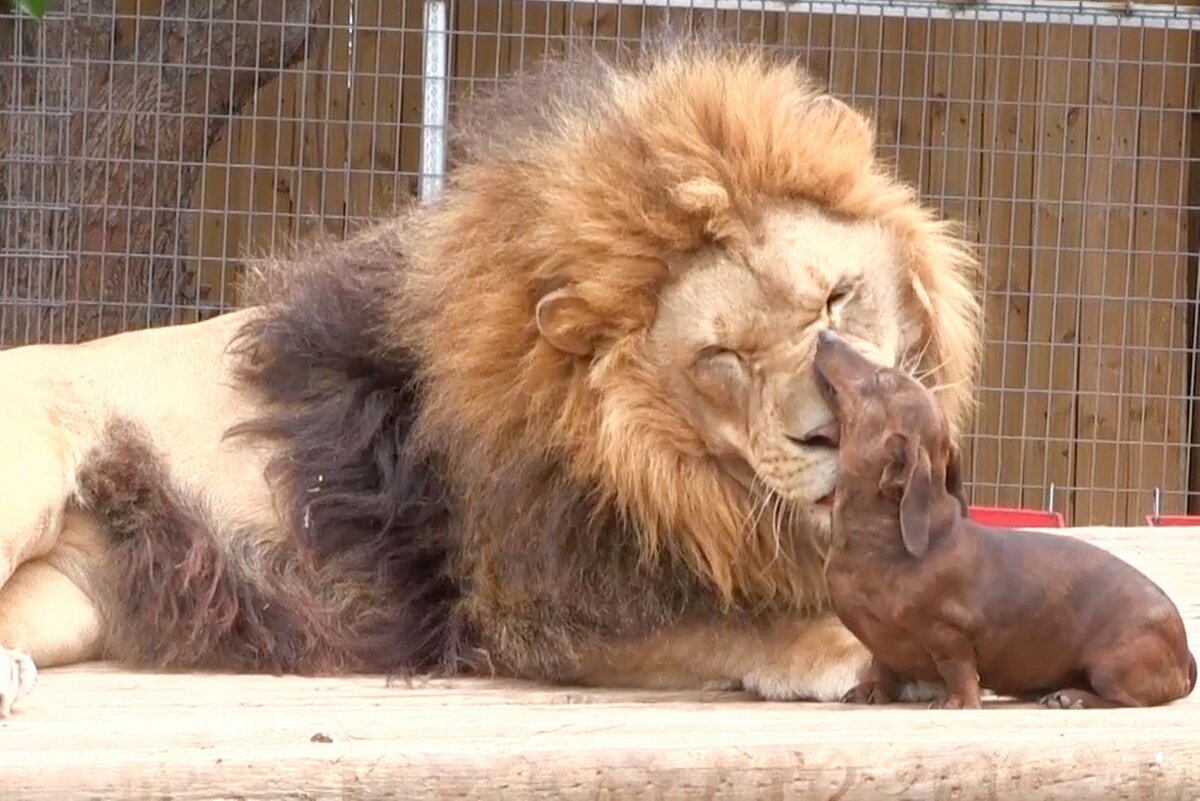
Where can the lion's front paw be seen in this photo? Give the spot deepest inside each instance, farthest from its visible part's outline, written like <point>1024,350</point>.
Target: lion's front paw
<point>18,677</point>
<point>867,692</point>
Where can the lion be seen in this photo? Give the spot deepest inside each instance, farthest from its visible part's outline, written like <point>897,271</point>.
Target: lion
<point>559,424</point>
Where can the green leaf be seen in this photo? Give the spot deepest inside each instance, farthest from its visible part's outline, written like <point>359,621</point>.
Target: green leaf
<point>34,8</point>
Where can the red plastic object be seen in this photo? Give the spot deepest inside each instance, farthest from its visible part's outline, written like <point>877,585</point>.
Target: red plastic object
<point>1173,520</point>
<point>1005,517</point>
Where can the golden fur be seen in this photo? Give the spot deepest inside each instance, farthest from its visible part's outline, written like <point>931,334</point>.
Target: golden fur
<point>560,423</point>
<point>614,201</point>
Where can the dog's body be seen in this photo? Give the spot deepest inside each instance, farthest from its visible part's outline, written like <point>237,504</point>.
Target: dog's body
<point>934,595</point>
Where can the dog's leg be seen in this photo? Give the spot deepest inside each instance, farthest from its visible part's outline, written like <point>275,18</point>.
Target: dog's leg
<point>881,686</point>
<point>1145,670</point>
<point>954,657</point>
<point>962,685</point>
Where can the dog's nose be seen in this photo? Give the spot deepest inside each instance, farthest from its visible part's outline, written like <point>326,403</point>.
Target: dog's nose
<point>823,436</point>
<point>826,337</point>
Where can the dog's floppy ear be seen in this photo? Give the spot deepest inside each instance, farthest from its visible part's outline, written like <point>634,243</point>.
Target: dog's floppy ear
<point>918,497</point>
<point>954,483</point>
<point>908,476</point>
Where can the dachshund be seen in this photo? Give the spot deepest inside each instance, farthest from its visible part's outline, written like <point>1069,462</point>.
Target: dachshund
<point>937,597</point>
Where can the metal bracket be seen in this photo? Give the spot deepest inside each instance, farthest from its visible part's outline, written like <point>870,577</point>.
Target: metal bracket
<point>434,98</point>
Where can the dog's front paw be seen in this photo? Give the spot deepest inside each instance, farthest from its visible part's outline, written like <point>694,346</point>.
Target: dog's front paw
<point>18,677</point>
<point>952,701</point>
<point>867,692</point>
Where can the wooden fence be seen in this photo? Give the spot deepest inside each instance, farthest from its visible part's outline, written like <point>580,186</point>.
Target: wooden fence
<point>1066,149</point>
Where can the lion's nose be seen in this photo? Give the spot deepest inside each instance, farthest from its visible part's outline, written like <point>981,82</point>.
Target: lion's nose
<point>823,436</point>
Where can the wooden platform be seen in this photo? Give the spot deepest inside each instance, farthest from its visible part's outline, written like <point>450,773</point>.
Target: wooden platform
<point>98,733</point>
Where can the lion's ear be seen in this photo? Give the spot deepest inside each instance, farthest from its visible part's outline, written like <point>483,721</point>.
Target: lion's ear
<point>566,321</point>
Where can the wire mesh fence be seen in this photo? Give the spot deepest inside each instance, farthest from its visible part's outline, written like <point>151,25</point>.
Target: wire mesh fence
<point>150,146</point>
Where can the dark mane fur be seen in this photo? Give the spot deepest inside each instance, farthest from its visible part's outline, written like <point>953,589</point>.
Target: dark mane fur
<point>343,404</point>
<point>513,568</point>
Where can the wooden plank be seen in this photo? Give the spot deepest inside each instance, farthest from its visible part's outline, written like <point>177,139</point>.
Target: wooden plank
<point>478,49</point>
<point>1006,183</point>
<point>258,182</point>
<point>323,100</point>
<point>1155,379</point>
<point>1192,221</point>
<point>537,28</point>
<point>1101,466</point>
<point>863,82</point>
<point>386,95</point>
<point>243,195</point>
<point>904,80</point>
<point>955,127</point>
<point>751,26</point>
<point>1048,426</point>
<point>411,99</point>
<point>616,29</point>
<point>200,736</point>
<point>809,34</point>
<point>953,166</point>
<point>844,57</point>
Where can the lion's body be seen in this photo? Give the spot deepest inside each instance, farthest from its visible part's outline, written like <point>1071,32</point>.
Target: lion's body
<point>560,424</point>
<point>77,390</point>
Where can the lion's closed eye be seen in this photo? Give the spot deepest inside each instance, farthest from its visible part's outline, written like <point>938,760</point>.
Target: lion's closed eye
<point>720,372</point>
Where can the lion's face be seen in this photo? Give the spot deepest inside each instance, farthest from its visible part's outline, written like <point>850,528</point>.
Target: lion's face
<point>733,343</point>
<point>622,292</point>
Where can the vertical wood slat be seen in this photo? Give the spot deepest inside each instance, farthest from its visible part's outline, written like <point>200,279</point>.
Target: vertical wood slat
<point>1006,181</point>
<point>906,44</point>
<point>255,183</point>
<point>1114,86</point>
<point>951,175</point>
<point>1048,427</point>
<point>1155,382</point>
<point>1191,223</point>
<point>244,195</point>
<point>323,99</point>
<point>384,129</point>
<point>477,48</point>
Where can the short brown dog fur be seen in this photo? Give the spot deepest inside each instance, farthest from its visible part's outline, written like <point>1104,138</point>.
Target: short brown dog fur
<point>934,595</point>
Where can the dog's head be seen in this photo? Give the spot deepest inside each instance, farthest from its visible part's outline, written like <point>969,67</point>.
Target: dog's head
<point>895,441</point>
